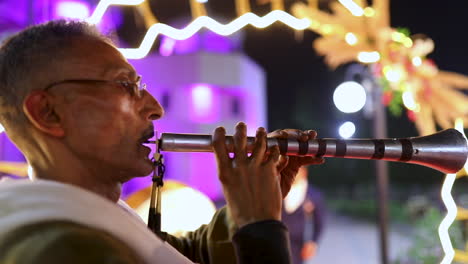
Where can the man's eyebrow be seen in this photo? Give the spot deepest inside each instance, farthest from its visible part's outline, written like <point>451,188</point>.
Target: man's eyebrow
<point>118,70</point>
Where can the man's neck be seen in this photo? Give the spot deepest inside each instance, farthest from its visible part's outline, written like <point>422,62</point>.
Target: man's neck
<point>110,191</point>
<point>78,173</point>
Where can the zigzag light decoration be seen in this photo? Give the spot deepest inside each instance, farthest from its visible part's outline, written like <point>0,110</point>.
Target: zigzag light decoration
<point>213,25</point>
<point>101,8</point>
<point>451,208</point>
<point>449,218</point>
<point>196,25</point>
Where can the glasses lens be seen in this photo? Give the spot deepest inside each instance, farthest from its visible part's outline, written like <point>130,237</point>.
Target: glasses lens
<point>139,86</point>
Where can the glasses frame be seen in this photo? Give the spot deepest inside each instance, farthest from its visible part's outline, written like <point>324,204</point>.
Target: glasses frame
<point>135,88</point>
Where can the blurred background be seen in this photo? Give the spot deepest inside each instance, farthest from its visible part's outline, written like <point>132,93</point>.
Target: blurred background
<point>278,77</point>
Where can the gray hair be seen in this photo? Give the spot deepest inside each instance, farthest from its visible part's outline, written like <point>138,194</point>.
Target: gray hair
<point>25,55</point>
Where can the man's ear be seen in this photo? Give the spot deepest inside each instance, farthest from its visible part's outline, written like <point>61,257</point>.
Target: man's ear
<point>40,109</point>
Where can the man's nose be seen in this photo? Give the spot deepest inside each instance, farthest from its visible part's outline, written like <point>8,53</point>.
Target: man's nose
<point>151,110</point>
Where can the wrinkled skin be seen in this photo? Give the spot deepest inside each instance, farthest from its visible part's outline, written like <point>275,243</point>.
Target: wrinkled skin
<point>90,134</point>
<point>289,166</point>
<point>254,186</point>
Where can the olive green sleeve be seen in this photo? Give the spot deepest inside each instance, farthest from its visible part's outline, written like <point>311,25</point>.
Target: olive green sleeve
<point>210,244</point>
<point>58,242</point>
<point>263,242</point>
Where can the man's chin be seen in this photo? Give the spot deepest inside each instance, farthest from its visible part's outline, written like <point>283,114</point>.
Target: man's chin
<point>143,170</point>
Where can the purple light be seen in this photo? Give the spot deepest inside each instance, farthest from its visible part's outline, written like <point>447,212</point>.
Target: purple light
<point>187,46</point>
<point>72,9</point>
<point>206,182</point>
<point>203,108</point>
<point>167,46</point>
<point>213,42</point>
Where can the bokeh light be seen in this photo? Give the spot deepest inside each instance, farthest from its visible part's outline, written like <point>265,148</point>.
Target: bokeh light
<point>349,97</point>
<point>72,9</point>
<point>347,130</point>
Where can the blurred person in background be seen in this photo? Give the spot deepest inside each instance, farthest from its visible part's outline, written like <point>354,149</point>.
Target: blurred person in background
<point>303,214</point>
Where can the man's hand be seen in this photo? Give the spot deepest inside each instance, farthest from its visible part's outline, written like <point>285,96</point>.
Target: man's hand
<point>289,165</point>
<point>309,250</point>
<point>251,184</point>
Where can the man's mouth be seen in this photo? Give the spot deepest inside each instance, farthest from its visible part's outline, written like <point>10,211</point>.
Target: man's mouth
<point>147,135</point>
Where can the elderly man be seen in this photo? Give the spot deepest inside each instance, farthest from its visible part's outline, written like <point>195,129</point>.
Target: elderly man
<point>78,112</point>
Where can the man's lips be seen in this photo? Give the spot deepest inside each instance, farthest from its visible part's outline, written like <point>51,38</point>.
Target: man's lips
<point>148,133</point>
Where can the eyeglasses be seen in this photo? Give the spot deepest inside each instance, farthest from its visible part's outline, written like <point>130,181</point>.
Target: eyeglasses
<point>134,88</point>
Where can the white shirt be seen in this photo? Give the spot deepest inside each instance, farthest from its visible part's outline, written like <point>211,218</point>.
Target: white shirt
<point>25,202</point>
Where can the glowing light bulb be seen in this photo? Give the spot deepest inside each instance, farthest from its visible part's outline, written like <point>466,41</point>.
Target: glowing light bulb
<point>369,11</point>
<point>354,8</point>
<point>351,39</point>
<point>417,61</point>
<point>349,97</point>
<point>409,102</point>
<point>407,42</point>
<point>202,1</point>
<point>30,171</point>
<point>74,10</point>
<point>368,57</point>
<point>392,75</point>
<point>314,24</point>
<point>327,29</point>
<point>347,129</point>
<point>202,97</point>
<point>398,36</point>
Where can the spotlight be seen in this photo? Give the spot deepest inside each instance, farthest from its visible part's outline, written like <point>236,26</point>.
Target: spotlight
<point>349,97</point>
<point>72,9</point>
<point>347,129</point>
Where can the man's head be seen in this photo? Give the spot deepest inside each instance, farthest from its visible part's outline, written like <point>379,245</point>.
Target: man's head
<point>67,95</point>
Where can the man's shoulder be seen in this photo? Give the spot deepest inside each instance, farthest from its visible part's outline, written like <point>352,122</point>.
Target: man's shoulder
<point>63,242</point>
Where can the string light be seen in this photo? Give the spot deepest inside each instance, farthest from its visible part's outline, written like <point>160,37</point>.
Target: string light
<point>196,25</point>
<point>368,57</point>
<point>392,74</point>
<point>213,25</point>
<point>351,39</point>
<point>402,38</point>
<point>417,61</point>
<point>104,4</point>
<point>448,219</point>
<point>327,29</point>
<point>409,102</point>
<point>451,208</point>
<point>369,11</point>
<point>354,8</point>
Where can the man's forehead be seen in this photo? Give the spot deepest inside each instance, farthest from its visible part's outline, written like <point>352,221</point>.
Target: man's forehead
<point>100,57</point>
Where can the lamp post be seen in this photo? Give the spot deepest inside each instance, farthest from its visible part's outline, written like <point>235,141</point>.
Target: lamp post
<point>376,110</point>
<point>381,169</point>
